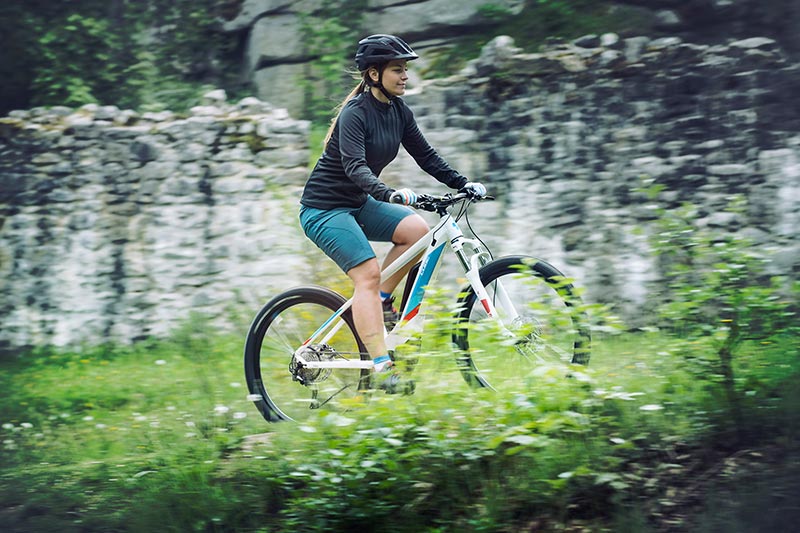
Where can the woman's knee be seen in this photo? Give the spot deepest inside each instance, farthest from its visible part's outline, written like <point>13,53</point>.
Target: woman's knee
<point>410,230</point>
<point>366,275</point>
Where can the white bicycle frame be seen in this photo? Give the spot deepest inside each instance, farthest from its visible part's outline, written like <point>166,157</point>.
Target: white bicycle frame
<point>433,243</point>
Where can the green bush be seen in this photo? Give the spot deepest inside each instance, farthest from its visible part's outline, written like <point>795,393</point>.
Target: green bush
<point>722,295</point>
<point>146,55</point>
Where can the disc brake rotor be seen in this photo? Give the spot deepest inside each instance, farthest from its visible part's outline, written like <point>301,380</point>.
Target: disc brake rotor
<point>530,341</point>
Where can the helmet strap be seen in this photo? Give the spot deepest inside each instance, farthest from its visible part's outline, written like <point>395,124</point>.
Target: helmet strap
<point>379,84</point>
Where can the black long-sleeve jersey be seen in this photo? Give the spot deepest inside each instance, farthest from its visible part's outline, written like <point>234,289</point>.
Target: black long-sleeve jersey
<point>366,138</point>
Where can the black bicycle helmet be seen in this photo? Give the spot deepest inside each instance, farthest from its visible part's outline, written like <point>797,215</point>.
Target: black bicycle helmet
<point>379,49</point>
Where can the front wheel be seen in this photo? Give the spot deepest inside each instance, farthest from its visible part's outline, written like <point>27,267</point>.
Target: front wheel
<point>541,324</point>
<point>280,388</point>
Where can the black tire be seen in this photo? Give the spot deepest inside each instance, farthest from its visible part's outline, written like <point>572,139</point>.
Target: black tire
<point>551,331</point>
<point>282,326</point>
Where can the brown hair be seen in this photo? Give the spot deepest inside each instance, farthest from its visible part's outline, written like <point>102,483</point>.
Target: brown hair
<point>360,88</point>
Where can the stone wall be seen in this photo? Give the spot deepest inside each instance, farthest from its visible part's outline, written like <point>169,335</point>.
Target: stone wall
<point>115,225</point>
<point>569,137</point>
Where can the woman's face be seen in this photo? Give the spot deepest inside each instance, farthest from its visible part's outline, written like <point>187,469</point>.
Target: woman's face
<point>395,76</point>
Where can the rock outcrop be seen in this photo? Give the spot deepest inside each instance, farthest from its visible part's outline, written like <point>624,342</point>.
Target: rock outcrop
<point>278,51</point>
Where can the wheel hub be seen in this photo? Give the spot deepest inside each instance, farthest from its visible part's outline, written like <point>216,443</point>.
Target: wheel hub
<point>310,376</point>
<point>530,341</point>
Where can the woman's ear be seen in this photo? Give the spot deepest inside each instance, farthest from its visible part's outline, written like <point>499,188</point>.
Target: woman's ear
<point>374,75</point>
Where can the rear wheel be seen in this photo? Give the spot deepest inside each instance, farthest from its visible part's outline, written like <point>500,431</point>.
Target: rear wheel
<point>280,388</point>
<point>543,325</point>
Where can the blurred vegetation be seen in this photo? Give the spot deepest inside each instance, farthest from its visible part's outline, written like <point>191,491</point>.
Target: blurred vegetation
<point>161,437</point>
<point>721,292</point>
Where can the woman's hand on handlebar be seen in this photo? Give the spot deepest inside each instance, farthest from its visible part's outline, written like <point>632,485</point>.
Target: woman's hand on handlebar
<point>403,196</point>
<point>474,188</point>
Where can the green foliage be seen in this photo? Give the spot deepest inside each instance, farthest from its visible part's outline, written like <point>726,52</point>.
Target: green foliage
<point>161,436</point>
<point>329,36</point>
<point>71,50</point>
<point>319,130</point>
<point>18,19</point>
<point>160,54</point>
<point>720,294</point>
<point>494,12</point>
<point>146,55</point>
<point>720,284</point>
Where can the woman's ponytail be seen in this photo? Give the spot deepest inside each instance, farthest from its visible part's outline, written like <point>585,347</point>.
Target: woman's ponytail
<point>360,88</point>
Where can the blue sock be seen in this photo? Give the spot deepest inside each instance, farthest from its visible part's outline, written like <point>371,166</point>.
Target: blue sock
<point>382,363</point>
<point>385,295</point>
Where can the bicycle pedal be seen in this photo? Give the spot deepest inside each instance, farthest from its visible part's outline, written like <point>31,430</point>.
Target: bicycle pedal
<point>395,384</point>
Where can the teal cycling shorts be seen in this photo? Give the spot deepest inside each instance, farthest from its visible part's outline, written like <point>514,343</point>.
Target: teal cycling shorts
<point>344,233</point>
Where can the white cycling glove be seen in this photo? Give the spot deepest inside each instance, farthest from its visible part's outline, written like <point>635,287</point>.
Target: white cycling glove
<point>403,196</point>
<point>475,188</point>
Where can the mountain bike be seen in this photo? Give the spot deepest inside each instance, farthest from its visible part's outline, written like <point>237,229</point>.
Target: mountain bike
<point>514,314</point>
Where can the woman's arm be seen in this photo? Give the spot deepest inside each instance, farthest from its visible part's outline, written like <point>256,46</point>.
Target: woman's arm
<point>426,157</point>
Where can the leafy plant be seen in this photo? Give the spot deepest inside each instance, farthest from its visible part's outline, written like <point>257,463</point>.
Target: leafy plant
<point>155,53</point>
<point>71,51</point>
<point>494,12</point>
<point>720,293</point>
<point>330,35</point>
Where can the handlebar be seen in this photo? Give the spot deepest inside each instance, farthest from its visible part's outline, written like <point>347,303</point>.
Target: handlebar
<point>437,204</point>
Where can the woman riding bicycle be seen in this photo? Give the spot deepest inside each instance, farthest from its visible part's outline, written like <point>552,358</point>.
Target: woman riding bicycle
<point>344,203</point>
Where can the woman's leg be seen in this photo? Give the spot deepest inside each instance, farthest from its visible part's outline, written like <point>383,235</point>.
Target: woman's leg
<point>411,229</point>
<point>340,236</point>
<point>367,310</point>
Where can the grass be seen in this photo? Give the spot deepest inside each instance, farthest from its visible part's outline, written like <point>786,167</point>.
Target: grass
<point>160,436</point>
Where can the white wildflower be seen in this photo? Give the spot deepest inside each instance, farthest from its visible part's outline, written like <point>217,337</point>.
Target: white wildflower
<point>651,407</point>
